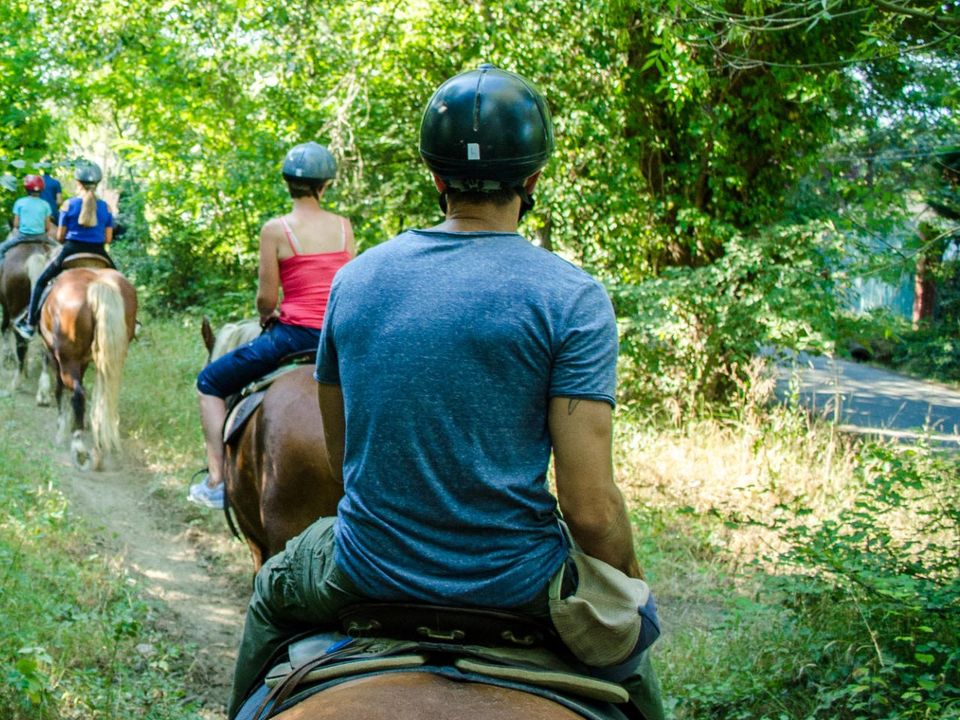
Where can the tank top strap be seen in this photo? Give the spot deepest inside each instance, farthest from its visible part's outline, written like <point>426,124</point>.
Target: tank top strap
<point>291,238</point>
<point>343,234</point>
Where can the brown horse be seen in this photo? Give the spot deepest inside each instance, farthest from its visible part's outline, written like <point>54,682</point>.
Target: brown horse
<point>21,266</point>
<point>277,475</point>
<point>418,695</point>
<point>89,316</point>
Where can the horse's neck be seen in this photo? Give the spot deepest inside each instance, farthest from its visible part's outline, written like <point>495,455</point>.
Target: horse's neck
<point>232,336</point>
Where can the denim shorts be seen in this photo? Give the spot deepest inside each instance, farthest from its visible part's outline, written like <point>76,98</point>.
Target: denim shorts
<point>237,369</point>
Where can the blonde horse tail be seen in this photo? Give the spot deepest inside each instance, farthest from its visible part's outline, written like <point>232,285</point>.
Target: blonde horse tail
<point>34,266</point>
<point>109,352</point>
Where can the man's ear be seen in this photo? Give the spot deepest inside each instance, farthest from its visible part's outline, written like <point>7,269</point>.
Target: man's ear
<point>439,182</point>
<point>531,182</point>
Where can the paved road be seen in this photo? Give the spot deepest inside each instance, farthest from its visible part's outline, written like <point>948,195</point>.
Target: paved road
<point>865,399</point>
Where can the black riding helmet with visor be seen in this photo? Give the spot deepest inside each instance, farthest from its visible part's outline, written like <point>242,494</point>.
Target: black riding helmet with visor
<point>486,130</point>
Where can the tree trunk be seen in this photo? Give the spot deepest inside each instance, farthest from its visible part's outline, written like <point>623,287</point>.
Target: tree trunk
<point>924,292</point>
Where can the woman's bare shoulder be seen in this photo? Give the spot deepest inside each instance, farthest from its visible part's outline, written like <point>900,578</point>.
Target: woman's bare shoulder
<point>272,229</point>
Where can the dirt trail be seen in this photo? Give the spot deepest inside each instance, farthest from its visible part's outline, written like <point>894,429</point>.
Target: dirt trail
<point>197,605</point>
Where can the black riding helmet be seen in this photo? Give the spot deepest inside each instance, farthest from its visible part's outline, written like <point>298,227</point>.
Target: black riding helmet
<point>88,173</point>
<point>309,161</point>
<point>485,130</point>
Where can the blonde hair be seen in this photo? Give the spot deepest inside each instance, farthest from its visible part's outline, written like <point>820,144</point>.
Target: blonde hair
<point>88,211</point>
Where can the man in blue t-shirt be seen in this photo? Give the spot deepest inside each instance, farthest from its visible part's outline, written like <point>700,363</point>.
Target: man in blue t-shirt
<point>454,362</point>
<point>53,193</point>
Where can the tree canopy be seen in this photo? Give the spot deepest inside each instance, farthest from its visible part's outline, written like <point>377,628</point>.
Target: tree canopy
<point>692,134</point>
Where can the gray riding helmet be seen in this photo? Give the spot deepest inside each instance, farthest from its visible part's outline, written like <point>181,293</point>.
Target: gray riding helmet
<point>310,161</point>
<point>88,172</point>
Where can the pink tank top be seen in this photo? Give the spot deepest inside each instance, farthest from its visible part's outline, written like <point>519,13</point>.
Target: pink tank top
<point>306,280</point>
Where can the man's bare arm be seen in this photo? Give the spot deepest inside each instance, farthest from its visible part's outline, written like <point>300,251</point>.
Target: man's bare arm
<point>330,398</point>
<point>582,434</point>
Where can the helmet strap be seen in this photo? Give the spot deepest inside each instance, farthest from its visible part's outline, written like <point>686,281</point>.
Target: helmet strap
<point>443,203</point>
<point>526,201</point>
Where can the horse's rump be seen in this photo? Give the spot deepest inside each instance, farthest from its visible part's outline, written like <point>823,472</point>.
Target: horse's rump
<point>419,695</point>
<point>21,266</point>
<point>278,478</point>
<point>90,316</point>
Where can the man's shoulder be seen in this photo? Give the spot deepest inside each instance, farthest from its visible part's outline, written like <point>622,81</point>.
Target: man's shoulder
<point>376,255</point>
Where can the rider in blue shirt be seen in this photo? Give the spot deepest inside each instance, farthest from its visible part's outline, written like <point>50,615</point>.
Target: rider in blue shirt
<point>53,193</point>
<point>31,217</point>
<point>454,363</point>
<point>86,226</point>
<point>31,213</point>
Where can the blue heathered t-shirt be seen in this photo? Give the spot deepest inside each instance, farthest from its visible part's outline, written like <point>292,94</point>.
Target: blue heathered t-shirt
<point>70,217</point>
<point>448,348</point>
<point>33,213</point>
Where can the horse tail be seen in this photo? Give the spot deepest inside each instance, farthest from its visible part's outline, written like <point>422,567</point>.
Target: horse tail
<point>34,266</point>
<point>109,351</point>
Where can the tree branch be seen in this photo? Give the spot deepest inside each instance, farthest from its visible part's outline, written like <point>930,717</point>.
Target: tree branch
<point>911,12</point>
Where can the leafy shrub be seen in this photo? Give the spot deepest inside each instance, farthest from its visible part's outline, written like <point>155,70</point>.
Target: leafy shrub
<point>880,585</point>
<point>686,332</point>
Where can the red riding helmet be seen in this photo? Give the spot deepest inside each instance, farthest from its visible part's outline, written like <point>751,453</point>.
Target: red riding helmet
<point>33,183</point>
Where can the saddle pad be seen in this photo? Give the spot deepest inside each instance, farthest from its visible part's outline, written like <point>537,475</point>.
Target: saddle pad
<point>347,667</point>
<point>267,380</point>
<point>239,415</point>
<point>561,681</point>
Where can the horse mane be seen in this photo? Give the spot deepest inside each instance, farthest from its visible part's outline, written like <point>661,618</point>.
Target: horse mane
<point>233,335</point>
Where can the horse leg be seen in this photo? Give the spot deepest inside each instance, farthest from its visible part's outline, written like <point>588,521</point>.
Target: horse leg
<point>44,390</point>
<point>22,347</point>
<point>82,457</point>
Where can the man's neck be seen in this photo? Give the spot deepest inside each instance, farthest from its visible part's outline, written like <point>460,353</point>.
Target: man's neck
<point>481,217</point>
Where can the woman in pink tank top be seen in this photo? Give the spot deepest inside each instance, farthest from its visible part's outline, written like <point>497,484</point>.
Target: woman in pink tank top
<point>299,254</point>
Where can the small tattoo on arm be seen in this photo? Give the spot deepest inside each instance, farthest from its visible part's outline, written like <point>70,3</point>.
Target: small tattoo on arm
<point>572,405</point>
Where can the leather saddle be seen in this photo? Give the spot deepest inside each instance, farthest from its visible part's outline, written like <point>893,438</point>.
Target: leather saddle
<point>86,260</point>
<point>468,644</point>
<point>242,405</point>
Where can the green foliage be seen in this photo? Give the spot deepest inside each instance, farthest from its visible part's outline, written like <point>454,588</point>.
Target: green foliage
<point>70,623</point>
<point>692,331</point>
<point>881,580</point>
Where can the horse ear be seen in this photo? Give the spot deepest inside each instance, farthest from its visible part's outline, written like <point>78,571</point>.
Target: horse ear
<point>207,331</point>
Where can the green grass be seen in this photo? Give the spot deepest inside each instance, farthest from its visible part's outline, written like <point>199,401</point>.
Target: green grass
<point>76,640</point>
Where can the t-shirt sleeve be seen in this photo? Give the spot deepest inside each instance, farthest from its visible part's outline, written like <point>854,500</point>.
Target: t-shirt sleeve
<point>17,206</point>
<point>328,369</point>
<point>585,365</point>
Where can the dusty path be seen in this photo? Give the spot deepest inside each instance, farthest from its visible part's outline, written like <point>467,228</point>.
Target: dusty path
<point>197,604</point>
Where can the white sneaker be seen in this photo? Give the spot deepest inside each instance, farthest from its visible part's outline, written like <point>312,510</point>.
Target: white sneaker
<point>203,494</point>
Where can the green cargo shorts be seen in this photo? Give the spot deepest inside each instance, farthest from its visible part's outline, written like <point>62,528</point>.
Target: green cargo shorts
<point>295,591</point>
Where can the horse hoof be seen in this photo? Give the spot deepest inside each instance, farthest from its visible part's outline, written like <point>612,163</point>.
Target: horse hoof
<point>82,458</point>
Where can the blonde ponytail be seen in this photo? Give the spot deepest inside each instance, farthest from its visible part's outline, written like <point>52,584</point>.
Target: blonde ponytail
<point>88,211</point>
